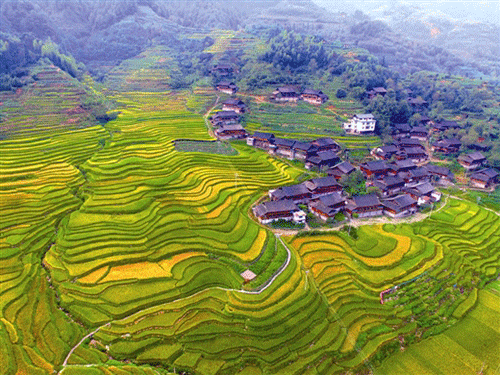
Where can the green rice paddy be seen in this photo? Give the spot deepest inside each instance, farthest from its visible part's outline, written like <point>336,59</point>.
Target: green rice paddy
<point>147,243</point>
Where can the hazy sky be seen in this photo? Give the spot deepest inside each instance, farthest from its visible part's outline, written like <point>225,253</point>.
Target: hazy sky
<point>474,10</point>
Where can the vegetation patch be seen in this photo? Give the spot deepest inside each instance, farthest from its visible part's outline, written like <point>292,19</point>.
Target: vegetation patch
<point>210,147</point>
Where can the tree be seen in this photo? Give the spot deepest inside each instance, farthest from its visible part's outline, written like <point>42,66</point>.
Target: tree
<point>354,183</point>
<point>341,93</point>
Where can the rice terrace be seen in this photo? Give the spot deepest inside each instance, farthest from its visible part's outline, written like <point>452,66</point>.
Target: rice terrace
<point>131,241</point>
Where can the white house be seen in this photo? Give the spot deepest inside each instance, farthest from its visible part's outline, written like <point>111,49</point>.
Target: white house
<point>360,123</point>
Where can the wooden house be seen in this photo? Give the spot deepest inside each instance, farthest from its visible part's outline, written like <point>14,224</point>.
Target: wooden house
<point>326,144</point>
<point>418,104</point>
<point>223,69</point>
<point>284,147</point>
<point>297,193</point>
<point>415,176</point>
<point>285,94</point>
<point>235,105</point>
<point>303,150</point>
<point>314,96</point>
<point>374,169</point>
<point>401,166</point>
<point>385,152</point>
<point>424,120</point>
<point>226,87</point>
<point>343,169</point>
<point>443,125</point>
<point>322,186</point>
<point>484,178</point>
<point>268,212</point>
<point>402,130</point>
<point>405,143</point>
<point>324,159</point>
<point>261,140</point>
<point>472,161</point>
<point>440,173</point>
<point>376,91</point>
<point>419,132</point>
<point>447,146</point>
<point>479,146</point>
<point>364,206</point>
<point>389,185</point>
<point>224,118</point>
<point>327,206</point>
<point>230,131</point>
<point>423,193</point>
<point>400,206</point>
<point>416,154</point>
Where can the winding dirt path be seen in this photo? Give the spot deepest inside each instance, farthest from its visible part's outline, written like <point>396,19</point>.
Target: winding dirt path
<point>65,363</point>
<point>205,117</point>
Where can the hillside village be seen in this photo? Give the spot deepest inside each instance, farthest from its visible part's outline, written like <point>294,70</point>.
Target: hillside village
<point>399,178</point>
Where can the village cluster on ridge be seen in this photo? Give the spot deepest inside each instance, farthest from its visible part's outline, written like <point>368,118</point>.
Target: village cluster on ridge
<point>404,178</point>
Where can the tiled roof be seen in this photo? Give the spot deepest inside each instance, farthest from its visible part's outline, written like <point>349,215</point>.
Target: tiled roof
<point>275,206</point>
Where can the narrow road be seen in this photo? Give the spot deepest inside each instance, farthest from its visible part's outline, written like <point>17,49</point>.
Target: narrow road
<point>257,291</point>
<point>65,363</point>
<point>205,117</point>
<point>268,283</point>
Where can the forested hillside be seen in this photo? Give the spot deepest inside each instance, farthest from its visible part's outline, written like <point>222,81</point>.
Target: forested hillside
<point>101,33</point>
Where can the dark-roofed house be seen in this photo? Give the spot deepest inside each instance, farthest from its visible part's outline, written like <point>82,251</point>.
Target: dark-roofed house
<point>401,166</point>
<point>226,87</point>
<point>415,154</point>
<point>423,193</point>
<point>385,152</point>
<point>484,178</point>
<point>268,212</point>
<point>364,206</point>
<point>343,169</point>
<point>479,146</point>
<point>230,131</point>
<point>445,125</point>
<point>322,160</point>
<point>235,105</point>
<point>223,69</point>
<point>322,186</point>
<point>447,146</point>
<point>418,103</point>
<point>224,118</point>
<point>376,91</point>
<point>419,132</point>
<point>405,143</point>
<point>400,206</point>
<point>297,193</point>
<point>284,147</point>
<point>424,120</point>
<point>303,150</point>
<point>261,140</point>
<point>441,173</point>
<point>402,129</point>
<point>326,144</point>
<point>415,176</point>
<point>327,206</point>
<point>314,96</point>
<point>472,161</point>
<point>389,185</point>
<point>373,169</point>
<point>285,94</point>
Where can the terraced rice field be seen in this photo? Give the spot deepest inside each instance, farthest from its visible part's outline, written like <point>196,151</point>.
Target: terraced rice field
<point>436,265</point>
<point>472,346</point>
<point>144,245</point>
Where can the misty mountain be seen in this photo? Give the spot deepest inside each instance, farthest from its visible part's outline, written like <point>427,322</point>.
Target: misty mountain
<point>101,33</point>
<point>112,30</point>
